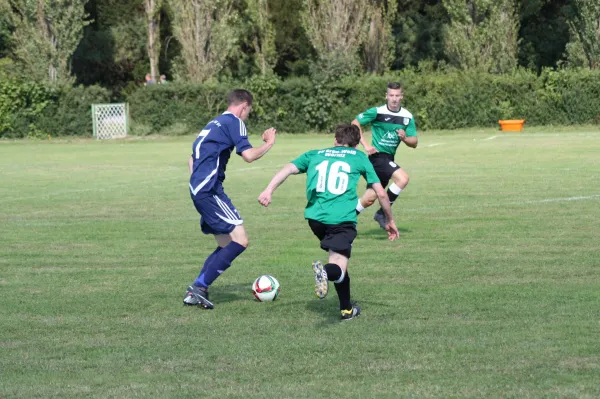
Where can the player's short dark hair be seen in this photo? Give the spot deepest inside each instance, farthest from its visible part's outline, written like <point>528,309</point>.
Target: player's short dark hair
<point>394,86</point>
<point>239,96</point>
<point>347,134</point>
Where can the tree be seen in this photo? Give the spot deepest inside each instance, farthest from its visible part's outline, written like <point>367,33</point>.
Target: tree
<point>543,33</point>
<point>6,27</point>
<point>418,32</point>
<point>335,28</point>
<point>263,36</point>
<point>292,45</point>
<point>378,45</point>
<point>584,25</point>
<point>483,34</point>
<point>205,31</point>
<point>47,32</point>
<point>152,8</point>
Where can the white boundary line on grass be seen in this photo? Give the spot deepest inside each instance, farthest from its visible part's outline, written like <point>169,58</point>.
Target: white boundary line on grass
<point>587,197</point>
<point>433,145</point>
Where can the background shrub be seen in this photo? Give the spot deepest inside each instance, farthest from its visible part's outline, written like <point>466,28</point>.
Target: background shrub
<point>438,100</point>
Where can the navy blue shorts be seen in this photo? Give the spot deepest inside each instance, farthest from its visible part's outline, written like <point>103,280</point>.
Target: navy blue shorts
<point>217,213</point>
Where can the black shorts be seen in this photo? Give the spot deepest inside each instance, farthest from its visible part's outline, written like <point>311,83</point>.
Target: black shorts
<point>335,237</point>
<point>384,166</point>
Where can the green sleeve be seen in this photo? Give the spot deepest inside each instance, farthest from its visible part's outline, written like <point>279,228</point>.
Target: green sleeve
<point>302,162</point>
<point>367,117</point>
<point>411,129</point>
<point>369,172</point>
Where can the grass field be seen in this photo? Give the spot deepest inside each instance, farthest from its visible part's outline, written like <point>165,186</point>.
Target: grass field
<point>492,291</point>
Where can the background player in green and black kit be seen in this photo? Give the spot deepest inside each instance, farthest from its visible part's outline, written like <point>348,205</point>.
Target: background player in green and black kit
<point>332,176</point>
<point>390,125</point>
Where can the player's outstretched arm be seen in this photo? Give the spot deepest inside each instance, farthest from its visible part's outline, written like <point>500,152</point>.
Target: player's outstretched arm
<point>265,197</point>
<point>384,201</point>
<point>252,154</point>
<point>368,148</point>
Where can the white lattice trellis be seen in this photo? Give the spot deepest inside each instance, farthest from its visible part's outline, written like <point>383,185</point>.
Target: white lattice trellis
<point>110,120</point>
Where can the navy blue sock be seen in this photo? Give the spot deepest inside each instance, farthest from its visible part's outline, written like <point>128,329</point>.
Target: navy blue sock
<point>219,264</point>
<point>207,262</point>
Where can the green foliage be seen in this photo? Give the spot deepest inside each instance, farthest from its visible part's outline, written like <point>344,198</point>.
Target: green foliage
<point>438,100</point>
<point>21,104</point>
<point>263,37</point>
<point>47,32</point>
<point>70,114</point>
<point>206,31</point>
<point>482,34</point>
<point>160,106</point>
<point>336,28</point>
<point>35,110</point>
<point>584,24</point>
<point>293,47</point>
<point>6,28</point>
<point>544,33</point>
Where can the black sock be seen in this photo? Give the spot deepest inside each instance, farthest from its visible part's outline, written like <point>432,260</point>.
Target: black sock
<point>334,272</point>
<point>343,291</point>
<point>391,196</point>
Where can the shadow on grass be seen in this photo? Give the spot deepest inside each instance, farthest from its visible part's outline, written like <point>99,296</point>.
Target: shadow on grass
<point>230,293</point>
<point>328,310</point>
<point>378,232</point>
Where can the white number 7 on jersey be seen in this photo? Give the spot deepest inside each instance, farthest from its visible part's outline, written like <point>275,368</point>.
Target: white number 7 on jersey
<point>202,134</point>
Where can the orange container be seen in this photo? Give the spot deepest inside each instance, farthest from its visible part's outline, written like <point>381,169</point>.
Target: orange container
<point>512,125</point>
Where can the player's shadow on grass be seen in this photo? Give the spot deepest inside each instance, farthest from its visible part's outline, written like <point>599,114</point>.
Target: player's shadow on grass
<point>230,293</point>
<point>328,309</point>
<point>379,232</point>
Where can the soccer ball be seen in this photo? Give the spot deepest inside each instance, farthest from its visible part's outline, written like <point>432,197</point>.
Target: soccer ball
<point>265,288</point>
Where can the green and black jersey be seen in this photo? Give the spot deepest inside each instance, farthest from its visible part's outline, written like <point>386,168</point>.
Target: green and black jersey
<point>332,176</point>
<point>384,124</point>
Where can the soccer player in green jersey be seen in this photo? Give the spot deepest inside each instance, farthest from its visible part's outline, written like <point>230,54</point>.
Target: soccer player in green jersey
<point>332,176</point>
<point>391,124</point>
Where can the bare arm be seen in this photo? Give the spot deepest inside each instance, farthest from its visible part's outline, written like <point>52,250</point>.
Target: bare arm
<point>411,141</point>
<point>387,210</point>
<point>370,150</point>
<point>252,154</point>
<point>290,169</point>
<point>191,164</point>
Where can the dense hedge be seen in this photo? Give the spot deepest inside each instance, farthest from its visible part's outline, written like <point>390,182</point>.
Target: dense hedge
<point>438,100</point>
<point>29,109</point>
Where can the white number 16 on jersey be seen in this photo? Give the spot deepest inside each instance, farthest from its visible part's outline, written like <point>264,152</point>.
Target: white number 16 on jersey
<point>336,181</point>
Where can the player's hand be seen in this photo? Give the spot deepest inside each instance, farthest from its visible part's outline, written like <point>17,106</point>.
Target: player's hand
<point>265,198</point>
<point>268,135</point>
<point>401,134</point>
<point>392,230</point>
<point>370,150</point>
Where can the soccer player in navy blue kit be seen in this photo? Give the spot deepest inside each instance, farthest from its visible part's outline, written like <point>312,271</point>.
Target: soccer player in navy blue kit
<point>218,216</point>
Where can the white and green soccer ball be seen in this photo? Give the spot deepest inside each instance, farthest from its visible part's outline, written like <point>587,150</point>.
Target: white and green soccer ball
<point>265,288</point>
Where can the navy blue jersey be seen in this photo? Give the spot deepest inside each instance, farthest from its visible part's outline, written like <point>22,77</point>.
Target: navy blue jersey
<point>211,151</point>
